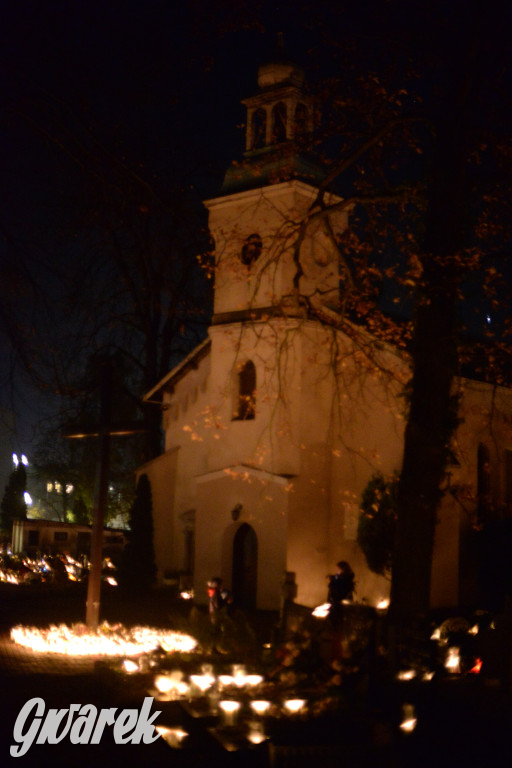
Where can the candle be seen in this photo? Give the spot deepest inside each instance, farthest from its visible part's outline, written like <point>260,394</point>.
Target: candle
<point>230,711</point>
<point>295,705</point>
<point>173,736</point>
<point>259,706</point>
<point>203,682</point>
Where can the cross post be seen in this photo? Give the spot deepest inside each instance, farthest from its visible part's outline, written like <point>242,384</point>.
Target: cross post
<point>104,431</point>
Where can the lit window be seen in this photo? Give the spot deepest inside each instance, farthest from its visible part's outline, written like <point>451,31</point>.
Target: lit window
<point>301,121</point>
<point>246,407</point>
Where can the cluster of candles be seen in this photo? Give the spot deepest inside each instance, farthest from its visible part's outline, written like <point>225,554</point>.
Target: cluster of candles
<point>227,694</point>
<point>107,640</point>
<point>27,569</point>
<point>452,663</point>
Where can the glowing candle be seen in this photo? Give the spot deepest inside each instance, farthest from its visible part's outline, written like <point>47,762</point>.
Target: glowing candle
<point>173,736</point>
<point>294,706</point>
<point>406,674</point>
<point>253,680</point>
<point>203,682</point>
<point>230,711</point>
<point>260,707</point>
<point>409,720</point>
<point>452,661</point>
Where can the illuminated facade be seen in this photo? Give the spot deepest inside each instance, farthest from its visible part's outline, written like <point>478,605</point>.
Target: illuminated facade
<point>276,422</point>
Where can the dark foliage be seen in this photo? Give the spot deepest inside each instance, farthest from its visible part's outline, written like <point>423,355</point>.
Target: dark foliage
<point>377,523</point>
<point>138,568</point>
<point>13,505</point>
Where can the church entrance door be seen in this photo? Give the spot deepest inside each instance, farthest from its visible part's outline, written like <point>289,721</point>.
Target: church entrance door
<point>245,567</point>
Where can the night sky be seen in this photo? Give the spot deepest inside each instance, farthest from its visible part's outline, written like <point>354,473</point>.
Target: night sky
<point>149,86</point>
<point>152,87</point>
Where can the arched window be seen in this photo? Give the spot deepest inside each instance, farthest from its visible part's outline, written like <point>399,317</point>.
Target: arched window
<point>246,405</point>
<point>279,123</point>
<point>483,481</point>
<point>301,121</point>
<point>251,250</point>
<point>258,129</point>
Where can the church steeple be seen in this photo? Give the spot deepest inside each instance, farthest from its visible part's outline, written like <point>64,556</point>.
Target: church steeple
<point>281,111</point>
<point>279,118</point>
<point>255,219</point>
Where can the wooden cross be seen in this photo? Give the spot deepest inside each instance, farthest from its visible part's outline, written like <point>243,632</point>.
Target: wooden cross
<point>104,431</point>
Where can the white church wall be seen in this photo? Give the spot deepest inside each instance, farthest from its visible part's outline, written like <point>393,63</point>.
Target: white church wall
<point>350,428</point>
<point>163,478</point>
<point>275,214</point>
<point>260,500</point>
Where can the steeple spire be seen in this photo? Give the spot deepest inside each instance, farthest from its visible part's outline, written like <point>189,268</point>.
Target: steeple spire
<point>279,116</point>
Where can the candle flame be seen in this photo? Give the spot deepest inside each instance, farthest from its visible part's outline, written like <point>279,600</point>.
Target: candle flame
<point>295,705</point>
<point>260,706</point>
<point>108,640</point>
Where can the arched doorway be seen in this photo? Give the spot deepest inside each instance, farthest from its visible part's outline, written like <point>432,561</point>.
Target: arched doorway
<point>245,567</point>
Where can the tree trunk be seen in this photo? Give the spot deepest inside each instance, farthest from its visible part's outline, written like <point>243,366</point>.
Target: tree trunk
<point>434,362</point>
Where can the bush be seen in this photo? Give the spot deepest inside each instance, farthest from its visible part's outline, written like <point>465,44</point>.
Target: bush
<point>377,523</point>
<point>138,568</point>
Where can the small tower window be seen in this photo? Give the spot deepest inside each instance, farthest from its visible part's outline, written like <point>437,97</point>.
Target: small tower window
<point>301,121</point>
<point>258,129</point>
<point>251,250</point>
<point>279,123</point>
<point>246,407</point>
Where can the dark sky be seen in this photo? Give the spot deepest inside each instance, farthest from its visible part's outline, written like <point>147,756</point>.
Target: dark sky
<point>147,85</point>
<point>154,87</point>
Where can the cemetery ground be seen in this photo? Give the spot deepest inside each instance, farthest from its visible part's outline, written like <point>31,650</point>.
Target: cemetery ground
<point>460,719</point>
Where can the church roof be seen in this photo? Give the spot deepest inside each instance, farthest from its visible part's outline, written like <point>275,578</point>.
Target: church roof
<point>190,362</point>
<point>271,166</point>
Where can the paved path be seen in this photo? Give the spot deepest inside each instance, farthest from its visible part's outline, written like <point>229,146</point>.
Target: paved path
<point>16,660</point>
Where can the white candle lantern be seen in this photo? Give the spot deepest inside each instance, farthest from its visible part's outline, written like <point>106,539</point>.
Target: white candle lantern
<point>294,706</point>
<point>256,735</point>
<point>164,683</point>
<point>406,674</point>
<point>130,666</point>
<point>260,707</point>
<point>173,736</point>
<point>452,661</point>
<point>202,682</point>
<point>409,720</point>
<point>230,710</point>
<point>253,680</point>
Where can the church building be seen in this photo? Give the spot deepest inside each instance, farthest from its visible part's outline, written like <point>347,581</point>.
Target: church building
<point>275,423</point>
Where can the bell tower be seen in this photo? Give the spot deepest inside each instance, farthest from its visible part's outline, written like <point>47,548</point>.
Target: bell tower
<point>264,199</point>
<point>281,111</point>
